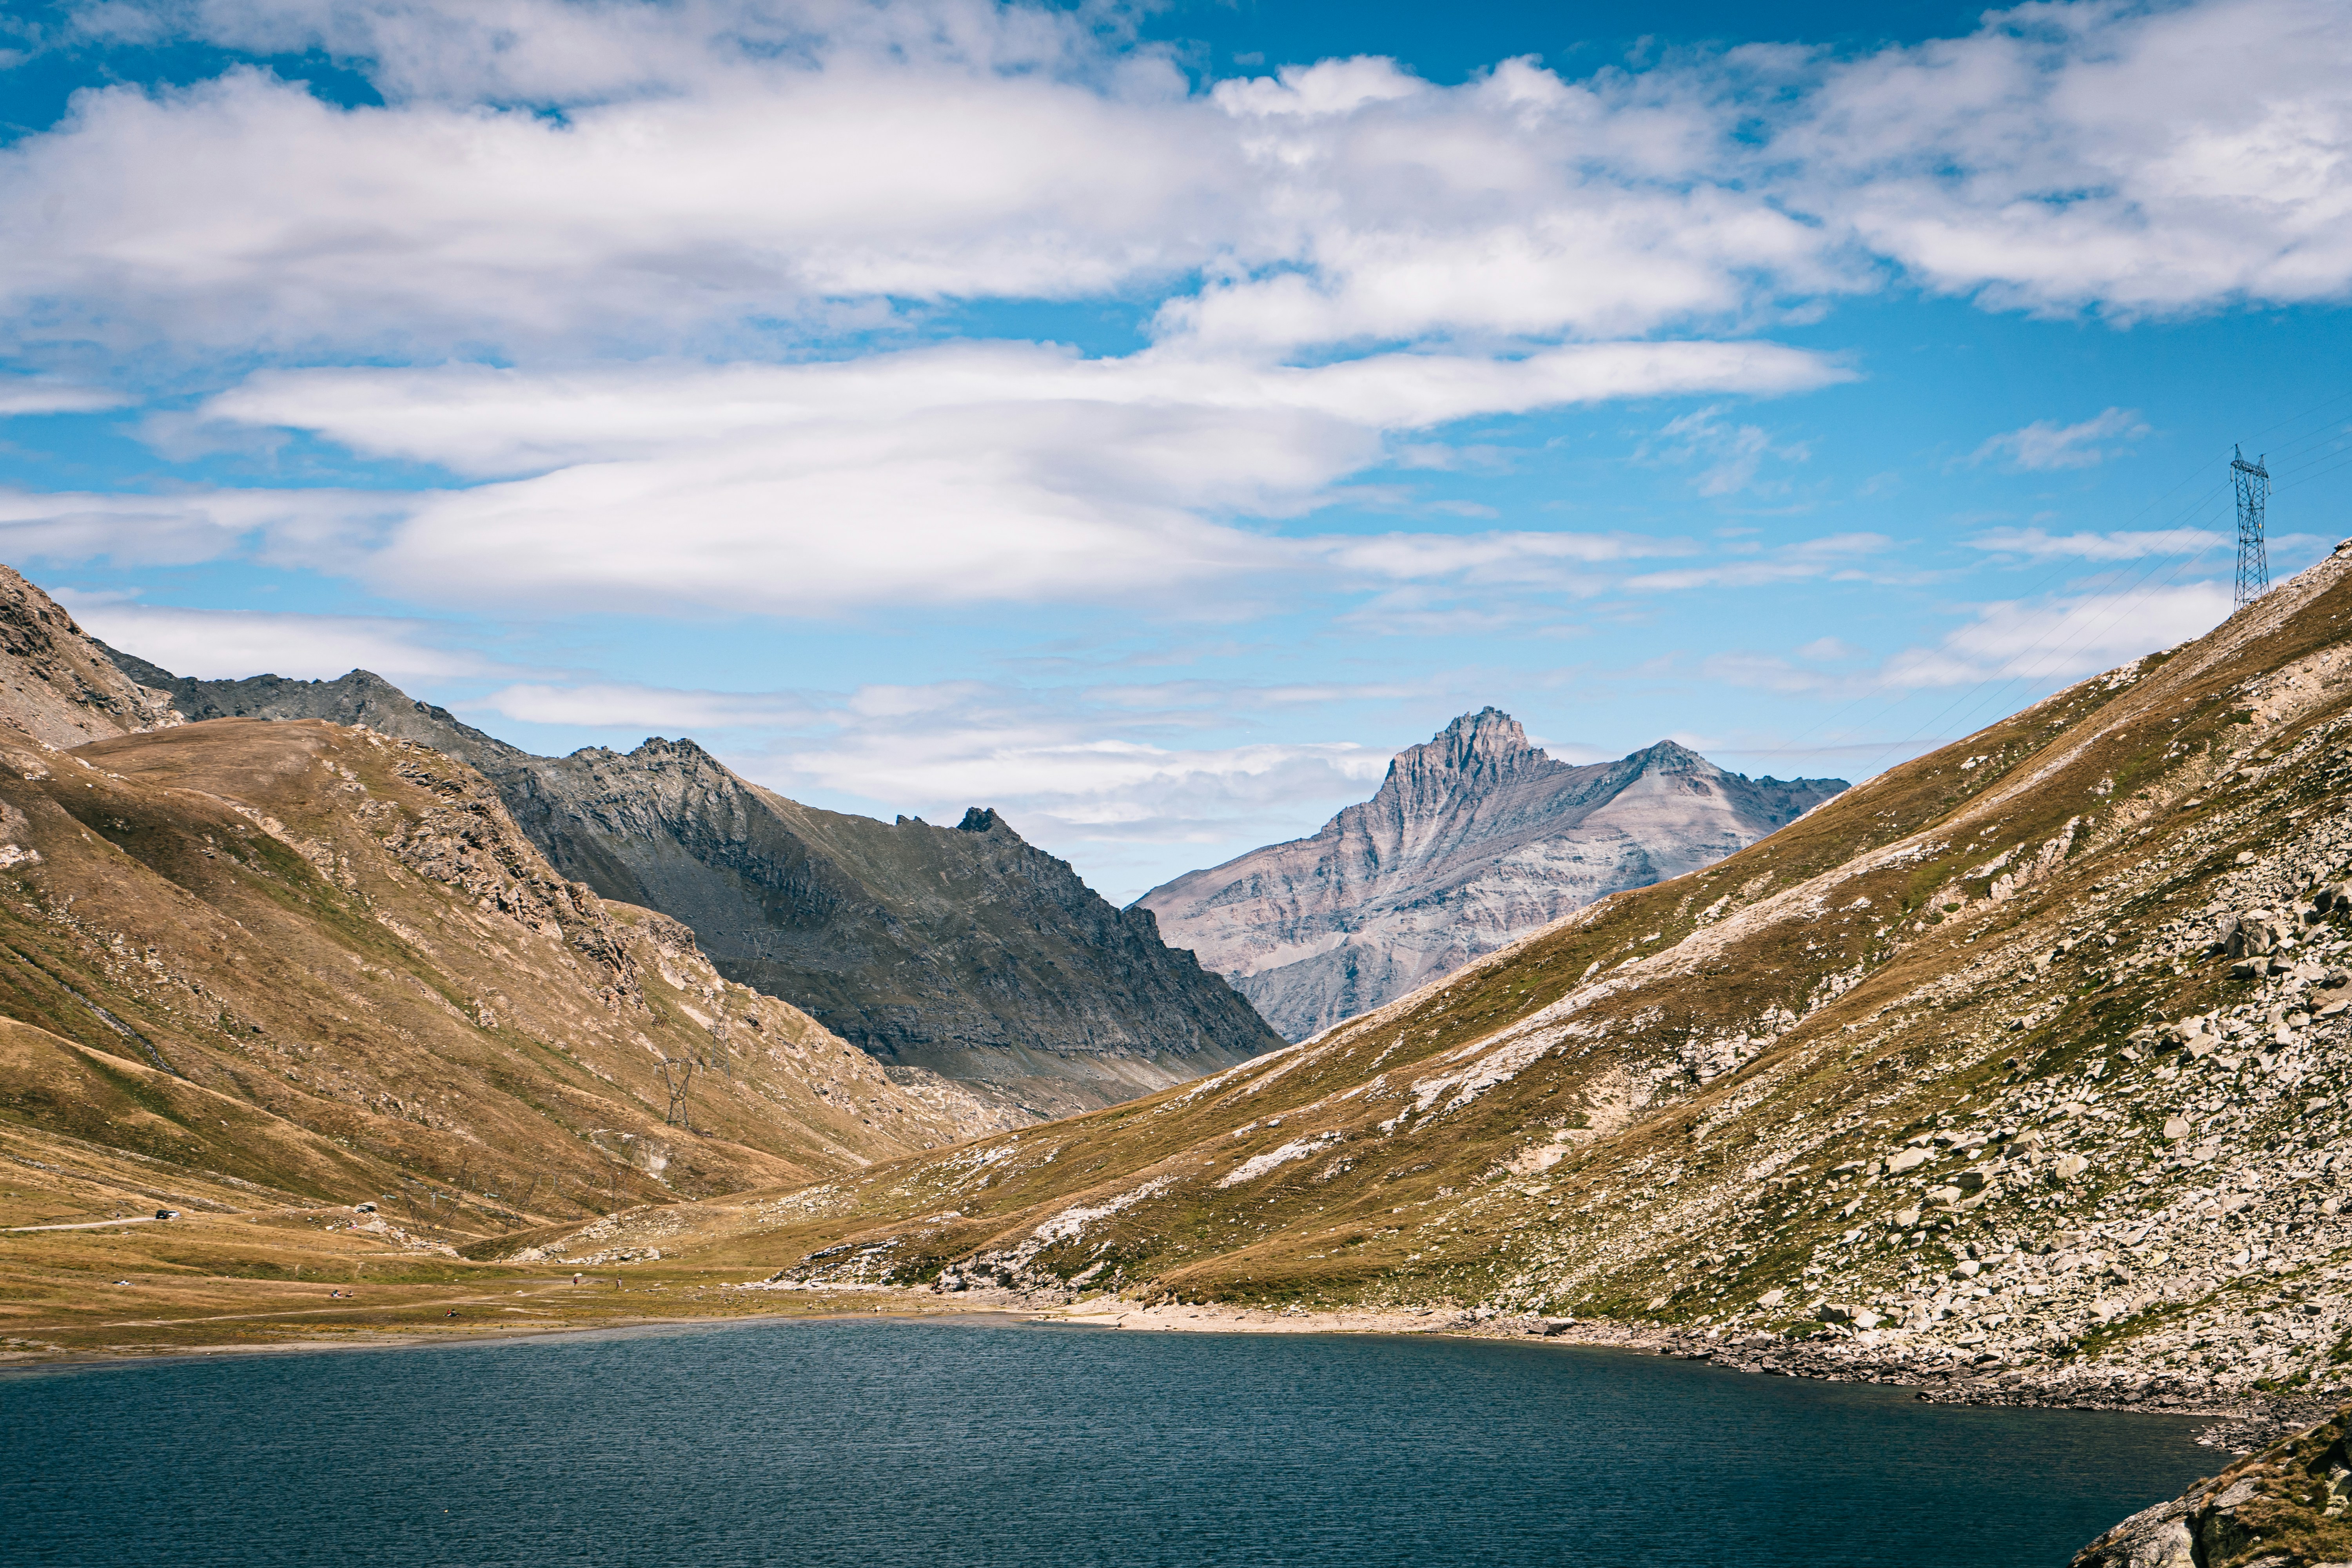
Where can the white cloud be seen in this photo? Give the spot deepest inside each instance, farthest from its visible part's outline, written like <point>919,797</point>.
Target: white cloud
<point>817,164</point>
<point>1728,456</point>
<point>958,474</point>
<point>2035,544</point>
<point>2045,444</point>
<point>1838,556</point>
<point>179,527</point>
<point>608,705</point>
<point>2062,639</point>
<point>2137,160</point>
<point>32,394</point>
<point>228,645</point>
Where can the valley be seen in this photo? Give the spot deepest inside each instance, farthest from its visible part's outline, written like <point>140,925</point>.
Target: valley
<point>2012,1075</point>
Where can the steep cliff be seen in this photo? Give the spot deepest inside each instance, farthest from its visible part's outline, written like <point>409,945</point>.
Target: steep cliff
<point>963,951</point>
<point>1474,840</point>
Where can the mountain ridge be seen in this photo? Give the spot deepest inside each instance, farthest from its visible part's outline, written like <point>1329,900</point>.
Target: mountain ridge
<point>968,952</point>
<point>325,963</point>
<point>1473,839</point>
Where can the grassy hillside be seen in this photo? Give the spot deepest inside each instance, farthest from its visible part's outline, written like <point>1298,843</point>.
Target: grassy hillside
<point>324,964</point>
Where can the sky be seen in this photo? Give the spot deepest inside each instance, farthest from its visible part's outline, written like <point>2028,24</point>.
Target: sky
<point>1146,419</point>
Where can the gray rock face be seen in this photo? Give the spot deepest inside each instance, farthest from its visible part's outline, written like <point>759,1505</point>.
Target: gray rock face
<point>1474,840</point>
<point>963,949</point>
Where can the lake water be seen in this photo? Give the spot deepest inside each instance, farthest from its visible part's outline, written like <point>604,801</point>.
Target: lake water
<point>885,1443</point>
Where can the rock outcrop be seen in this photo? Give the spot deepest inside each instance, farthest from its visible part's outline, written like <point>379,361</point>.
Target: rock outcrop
<point>2289,1506</point>
<point>1474,840</point>
<point>963,951</point>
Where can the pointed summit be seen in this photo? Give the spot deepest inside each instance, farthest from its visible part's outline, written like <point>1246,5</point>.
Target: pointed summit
<point>1672,757</point>
<point>1487,736</point>
<point>1471,753</point>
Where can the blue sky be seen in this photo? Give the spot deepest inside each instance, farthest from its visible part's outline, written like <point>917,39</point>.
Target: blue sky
<point>1146,421</point>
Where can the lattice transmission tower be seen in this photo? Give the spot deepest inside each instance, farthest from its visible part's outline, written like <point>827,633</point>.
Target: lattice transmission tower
<point>2254,486</point>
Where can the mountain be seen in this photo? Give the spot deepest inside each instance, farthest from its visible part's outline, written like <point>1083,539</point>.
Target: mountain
<point>1474,840</point>
<point>2018,1068</point>
<point>963,951</point>
<point>246,967</point>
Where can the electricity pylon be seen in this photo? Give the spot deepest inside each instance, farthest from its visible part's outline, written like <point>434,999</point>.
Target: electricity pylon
<point>2252,482</point>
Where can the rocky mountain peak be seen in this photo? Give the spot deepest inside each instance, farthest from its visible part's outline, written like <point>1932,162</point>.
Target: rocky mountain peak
<point>1474,838</point>
<point>1485,742</point>
<point>982,820</point>
<point>1672,757</point>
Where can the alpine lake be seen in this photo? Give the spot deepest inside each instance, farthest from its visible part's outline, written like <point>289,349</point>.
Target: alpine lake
<point>939,1444</point>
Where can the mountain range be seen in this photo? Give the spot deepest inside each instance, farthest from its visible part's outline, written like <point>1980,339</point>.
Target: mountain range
<point>1474,840</point>
<point>2016,1071</point>
<point>963,951</point>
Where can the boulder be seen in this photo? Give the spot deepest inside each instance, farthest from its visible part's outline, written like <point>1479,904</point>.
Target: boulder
<point>1908,1160</point>
<point>2174,1130</point>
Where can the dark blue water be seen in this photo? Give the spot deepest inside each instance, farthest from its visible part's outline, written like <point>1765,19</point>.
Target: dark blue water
<point>888,1444</point>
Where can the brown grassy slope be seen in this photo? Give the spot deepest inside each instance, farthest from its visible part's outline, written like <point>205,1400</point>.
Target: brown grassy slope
<point>346,937</point>
<point>1634,1111</point>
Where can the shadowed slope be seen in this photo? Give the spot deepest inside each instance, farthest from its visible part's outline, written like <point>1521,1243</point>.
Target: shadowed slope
<point>963,951</point>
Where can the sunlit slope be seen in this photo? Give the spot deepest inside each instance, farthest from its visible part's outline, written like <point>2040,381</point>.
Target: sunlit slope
<point>325,965</point>
<point>1643,1109</point>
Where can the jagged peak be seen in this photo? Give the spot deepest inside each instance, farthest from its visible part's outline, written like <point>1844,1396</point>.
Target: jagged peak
<point>1474,743</point>
<point>984,819</point>
<point>657,748</point>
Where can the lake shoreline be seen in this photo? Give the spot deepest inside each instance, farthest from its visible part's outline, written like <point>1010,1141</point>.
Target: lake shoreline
<point>2240,1420</point>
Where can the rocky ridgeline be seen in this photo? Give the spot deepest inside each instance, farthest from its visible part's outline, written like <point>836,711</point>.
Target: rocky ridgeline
<point>963,952</point>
